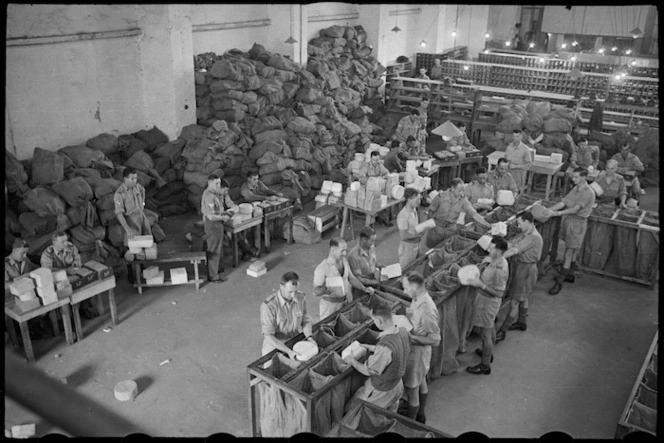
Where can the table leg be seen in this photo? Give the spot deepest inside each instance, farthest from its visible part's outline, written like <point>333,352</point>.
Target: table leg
<point>266,233</point>
<point>12,331</point>
<point>548,187</point>
<point>137,277</point>
<point>290,227</point>
<point>350,223</point>
<point>66,320</point>
<point>77,321</point>
<point>54,323</point>
<point>344,216</point>
<point>257,234</point>
<point>235,251</point>
<point>27,344</point>
<point>112,304</point>
<point>195,263</point>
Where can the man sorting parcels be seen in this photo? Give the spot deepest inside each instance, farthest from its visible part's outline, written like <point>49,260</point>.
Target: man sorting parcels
<point>129,200</point>
<point>423,315</point>
<point>284,315</point>
<point>386,365</point>
<point>214,216</point>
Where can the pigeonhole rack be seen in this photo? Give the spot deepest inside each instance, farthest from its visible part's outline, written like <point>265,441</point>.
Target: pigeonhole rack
<point>368,420</point>
<point>285,382</point>
<point>638,232</point>
<point>640,413</point>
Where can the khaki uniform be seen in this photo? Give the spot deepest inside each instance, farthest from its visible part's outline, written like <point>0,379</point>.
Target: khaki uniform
<point>525,274</point>
<point>331,303</point>
<point>485,306</point>
<point>503,182</point>
<point>445,208</point>
<point>423,315</point>
<point>211,204</point>
<point>130,203</point>
<point>574,225</point>
<point>408,249</point>
<point>520,158</point>
<point>64,259</point>
<point>283,319</point>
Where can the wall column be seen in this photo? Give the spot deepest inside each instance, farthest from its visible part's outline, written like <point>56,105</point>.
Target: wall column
<point>166,67</point>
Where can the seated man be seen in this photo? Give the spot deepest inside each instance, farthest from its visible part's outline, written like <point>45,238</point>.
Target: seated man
<point>395,160</point>
<point>612,184</point>
<point>630,166</point>
<point>480,188</point>
<point>362,259</point>
<point>501,179</point>
<point>422,75</point>
<point>584,155</point>
<point>16,265</point>
<point>64,255</point>
<point>436,70</point>
<point>415,148</point>
<point>461,140</point>
<point>408,125</point>
<point>254,190</point>
<point>448,205</point>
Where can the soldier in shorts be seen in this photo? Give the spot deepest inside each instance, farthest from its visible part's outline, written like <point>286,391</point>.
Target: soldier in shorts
<point>578,205</point>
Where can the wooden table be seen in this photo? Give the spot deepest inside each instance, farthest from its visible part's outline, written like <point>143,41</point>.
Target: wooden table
<point>94,289</point>
<point>548,169</point>
<point>434,173</point>
<point>369,214</point>
<point>12,312</point>
<point>195,258</point>
<point>234,230</point>
<point>273,215</point>
<point>447,170</point>
<point>467,161</point>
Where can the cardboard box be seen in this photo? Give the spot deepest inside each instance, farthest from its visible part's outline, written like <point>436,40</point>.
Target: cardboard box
<point>150,272</point>
<point>151,252</point>
<point>25,306</point>
<point>42,277</point>
<point>59,275</point>
<point>75,281</point>
<point>45,292</point>
<point>135,250</point>
<point>258,265</point>
<point>350,198</point>
<point>179,276</point>
<point>157,279</point>
<point>21,285</point>
<point>256,273</point>
<point>102,270</point>
<point>64,292</point>
<point>28,295</point>
<point>50,298</point>
<point>140,241</point>
<point>62,284</point>
<point>87,275</point>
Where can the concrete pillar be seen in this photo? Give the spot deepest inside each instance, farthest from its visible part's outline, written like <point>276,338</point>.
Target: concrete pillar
<point>166,67</point>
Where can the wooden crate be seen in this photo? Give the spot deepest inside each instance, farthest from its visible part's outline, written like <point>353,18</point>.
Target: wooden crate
<point>284,382</point>
<point>642,396</point>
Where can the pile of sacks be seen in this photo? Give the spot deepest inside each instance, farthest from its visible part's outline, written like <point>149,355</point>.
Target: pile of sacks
<point>291,123</point>
<point>72,190</point>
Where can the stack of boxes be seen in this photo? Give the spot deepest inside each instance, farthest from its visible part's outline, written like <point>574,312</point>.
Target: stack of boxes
<point>45,287</point>
<point>63,286</point>
<point>257,268</point>
<point>141,247</point>
<point>153,276</point>
<point>23,288</point>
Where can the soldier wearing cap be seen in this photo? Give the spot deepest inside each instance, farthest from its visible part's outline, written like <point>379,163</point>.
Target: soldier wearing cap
<point>129,201</point>
<point>284,315</point>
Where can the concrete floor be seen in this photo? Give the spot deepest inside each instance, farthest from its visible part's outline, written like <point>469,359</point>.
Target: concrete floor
<point>572,371</point>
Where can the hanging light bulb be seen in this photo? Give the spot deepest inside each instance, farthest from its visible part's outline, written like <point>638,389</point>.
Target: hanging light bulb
<point>601,50</point>
<point>423,43</point>
<point>575,74</point>
<point>575,43</point>
<point>564,45</point>
<point>628,52</point>
<point>454,33</point>
<point>466,67</point>
<point>541,60</point>
<point>487,35</point>
<point>614,49</point>
<point>633,63</point>
<point>573,58</point>
<point>531,45</point>
<point>623,75</point>
<point>486,51</point>
<point>291,40</point>
<point>617,77</point>
<point>636,32</point>
<point>507,43</point>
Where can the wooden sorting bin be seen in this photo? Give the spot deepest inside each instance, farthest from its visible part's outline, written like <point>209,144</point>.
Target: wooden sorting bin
<point>368,420</point>
<point>287,383</point>
<point>640,413</point>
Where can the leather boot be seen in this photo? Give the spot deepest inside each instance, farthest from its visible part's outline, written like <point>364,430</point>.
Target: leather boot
<point>520,325</point>
<point>556,288</point>
<point>420,413</point>
<point>412,411</point>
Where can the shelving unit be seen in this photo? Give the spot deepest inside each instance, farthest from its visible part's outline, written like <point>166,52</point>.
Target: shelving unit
<point>425,60</point>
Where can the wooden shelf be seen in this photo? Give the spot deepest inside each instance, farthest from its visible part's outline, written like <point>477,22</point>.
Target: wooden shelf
<point>191,281</point>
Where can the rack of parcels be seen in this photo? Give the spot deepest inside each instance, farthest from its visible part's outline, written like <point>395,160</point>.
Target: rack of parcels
<point>640,413</point>
<point>290,397</point>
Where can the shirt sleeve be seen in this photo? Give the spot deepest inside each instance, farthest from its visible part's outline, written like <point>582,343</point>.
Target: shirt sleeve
<point>435,204</point>
<point>527,158</point>
<point>574,157</point>
<point>77,257</point>
<point>306,318</point>
<point>229,202</point>
<point>636,164</point>
<point>430,326</point>
<point>248,195</point>
<point>119,203</point>
<point>319,276</point>
<point>524,243</point>
<point>622,189</point>
<point>268,320</point>
<point>379,360</point>
<point>512,184</point>
<point>354,263</point>
<point>468,207</point>
<point>402,221</point>
<point>46,259</point>
<point>500,279</point>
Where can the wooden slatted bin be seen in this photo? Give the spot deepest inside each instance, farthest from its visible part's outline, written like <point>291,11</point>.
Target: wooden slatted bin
<point>288,397</point>
<point>622,243</point>
<point>368,420</point>
<point>640,413</point>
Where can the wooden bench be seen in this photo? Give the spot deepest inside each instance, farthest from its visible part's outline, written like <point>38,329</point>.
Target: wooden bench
<point>195,258</point>
<point>89,291</point>
<point>325,217</point>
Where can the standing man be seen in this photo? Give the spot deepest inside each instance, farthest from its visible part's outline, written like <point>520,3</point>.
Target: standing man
<point>408,125</point>
<point>375,168</point>
<point>480,188</point>
<point>501,179</point>
<point>362,259</point>
<point>491,287</point>
<point>422,75</point>
<point>284,315</point>
<point>386,365</point>
<point>448,205</point>
<point>423,315</point>
<point>578,204</point>
<point>214,207</point>
<point>333,279</point>
<point>527,247</point>
<point>436,70</point>
<point>518,155</point>
<point>424,120</point>
<point>629,166</point>
<point>406,222</point>
<point>129,200</point>
<point>254,190</point>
